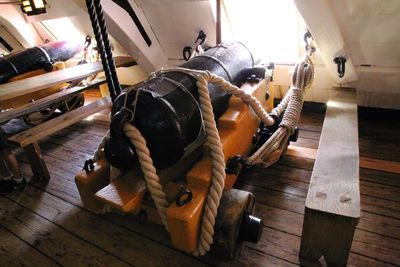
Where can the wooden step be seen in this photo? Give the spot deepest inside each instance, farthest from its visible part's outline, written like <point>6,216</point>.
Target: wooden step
<point>34,134</point>
<point>125,193</point>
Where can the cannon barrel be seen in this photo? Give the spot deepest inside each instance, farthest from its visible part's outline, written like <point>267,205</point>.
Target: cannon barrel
<point>37,57</point>
<point>168,113</point>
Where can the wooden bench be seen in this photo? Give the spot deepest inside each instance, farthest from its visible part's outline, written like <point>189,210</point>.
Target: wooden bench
<point>45,102</point>
<point>28,139</point>
<point>332,208</point>
<point>34,84</point>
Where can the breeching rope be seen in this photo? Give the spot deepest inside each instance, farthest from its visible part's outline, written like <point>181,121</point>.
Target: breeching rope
<point>302,78</point>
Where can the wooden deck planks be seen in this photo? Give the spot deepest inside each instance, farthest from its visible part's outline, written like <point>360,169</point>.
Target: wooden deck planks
<point>280,193</point>
<point>53,241</point>
<point>125,245</point>
<point>15,252</point>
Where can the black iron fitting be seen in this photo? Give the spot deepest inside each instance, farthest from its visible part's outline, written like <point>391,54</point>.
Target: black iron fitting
<point>183,197</point>
<point>295,135</point>
<point>88,166</point>
<point>251,228</point>
<point>276,124</point>
<point>263,133</point>
<point>341,65</point>
<point>233,165</point>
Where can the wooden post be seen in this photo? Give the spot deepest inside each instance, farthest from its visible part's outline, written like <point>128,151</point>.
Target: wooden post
<point>326,235</point>
<point>333,201</point>
<point>38,166</point>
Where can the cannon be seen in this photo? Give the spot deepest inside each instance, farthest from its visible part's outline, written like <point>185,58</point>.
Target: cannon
<point>38,57</point>
<point>35,61</point>
<point>167,113</point>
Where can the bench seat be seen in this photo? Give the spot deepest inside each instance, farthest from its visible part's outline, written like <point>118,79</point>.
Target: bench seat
<point>28,139</point>
<point>332,208</point>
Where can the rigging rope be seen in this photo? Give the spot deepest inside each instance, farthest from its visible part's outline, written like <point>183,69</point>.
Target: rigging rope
<point>100,31</point>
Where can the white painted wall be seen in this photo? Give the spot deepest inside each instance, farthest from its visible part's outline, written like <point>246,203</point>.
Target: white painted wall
<point>369,29</point>
<point>372,33</point>
<point>176,23</point>
<point>13,19</point>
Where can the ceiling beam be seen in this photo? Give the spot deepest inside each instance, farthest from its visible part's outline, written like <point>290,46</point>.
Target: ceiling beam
<point>124,30</point>
<point>322,24</point>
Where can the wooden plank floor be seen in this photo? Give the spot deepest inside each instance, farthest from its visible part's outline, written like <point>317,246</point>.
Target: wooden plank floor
<point>48,226</point>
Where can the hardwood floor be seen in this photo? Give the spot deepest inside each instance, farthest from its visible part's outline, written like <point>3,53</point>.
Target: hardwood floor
<point>47,225</point>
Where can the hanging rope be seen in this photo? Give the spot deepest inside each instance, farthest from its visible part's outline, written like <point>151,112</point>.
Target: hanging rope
<point>107,46</point>
<point>149,171</point>
<point>103,44</point>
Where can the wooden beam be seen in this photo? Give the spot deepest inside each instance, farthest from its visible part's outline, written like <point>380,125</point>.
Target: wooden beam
<point>337,162</point>
<point>44,102</point>
<point>367,163</point>
<point>36,161</point>
<point>322,24</point>
<point>332,207</point>
<point>124,30</point>
<point>219,22</point>
<point>34,84</point>
<point>33,134</point>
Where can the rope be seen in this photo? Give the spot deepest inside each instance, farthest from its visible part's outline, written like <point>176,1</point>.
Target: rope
<point>218,164</point>
<point>302,79</point>
<point>217,155</point>
<point>97,18</point>
<point>149,171</point>
<point>107,46</point>
<point>98,154</point>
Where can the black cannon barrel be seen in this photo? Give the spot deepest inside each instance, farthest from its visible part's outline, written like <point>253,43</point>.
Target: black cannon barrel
<point>168,113</point>
<point>37,57</point>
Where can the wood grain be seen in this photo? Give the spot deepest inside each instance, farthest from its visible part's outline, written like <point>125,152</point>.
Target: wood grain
<point>43,102</point>
<point>280,192</point>
<point>27,137</point>
<point>33,84</point>
<point>126,245</point>
<point>367,163</point>
<point>55,242</point>
<point>15,252</point>
<point>332,208</point>
<point>334,185</point>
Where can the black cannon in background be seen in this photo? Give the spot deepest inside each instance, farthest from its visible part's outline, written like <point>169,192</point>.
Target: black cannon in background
<point>38,57</point>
